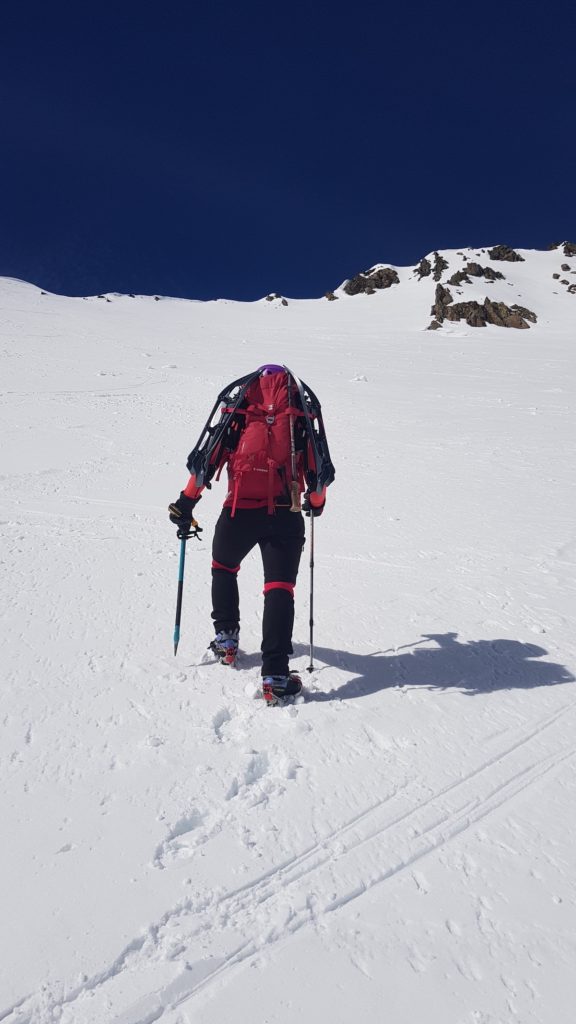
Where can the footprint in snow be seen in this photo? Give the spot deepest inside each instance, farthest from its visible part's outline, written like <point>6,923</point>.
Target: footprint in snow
<point>219,720</point>
<point>184,837</point>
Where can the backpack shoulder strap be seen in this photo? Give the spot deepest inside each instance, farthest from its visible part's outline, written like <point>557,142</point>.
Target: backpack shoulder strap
<point>205,457</point>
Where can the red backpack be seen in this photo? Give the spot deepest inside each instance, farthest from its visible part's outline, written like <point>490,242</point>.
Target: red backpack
<point>260,468</point>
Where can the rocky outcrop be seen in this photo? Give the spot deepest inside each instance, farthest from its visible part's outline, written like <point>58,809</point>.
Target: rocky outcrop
<point>474,270</point>
<point>527,314</point>
<point>425,268</point>
<point>274,295</point>
<point>370,281</point>
<point>330,296</point>
<point>440,265</point>
<point>504,252</point>
<point>443,299</point>
<point>568,248</point>
<point>460,277</point>
<point>478,314</point>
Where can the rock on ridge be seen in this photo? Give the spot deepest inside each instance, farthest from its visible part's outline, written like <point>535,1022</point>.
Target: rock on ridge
<point>368,281</point>
<point>504,252</point>
<point>424,268</point>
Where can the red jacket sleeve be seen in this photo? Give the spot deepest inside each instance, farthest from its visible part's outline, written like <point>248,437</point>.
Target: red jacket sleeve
<point>191,491</point>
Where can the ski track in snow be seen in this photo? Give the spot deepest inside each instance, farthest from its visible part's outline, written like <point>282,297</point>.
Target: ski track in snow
<point>387,838</point>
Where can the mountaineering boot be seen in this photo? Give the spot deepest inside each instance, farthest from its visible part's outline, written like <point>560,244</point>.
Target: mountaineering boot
<point>225,646</point>
<point>279,690</point>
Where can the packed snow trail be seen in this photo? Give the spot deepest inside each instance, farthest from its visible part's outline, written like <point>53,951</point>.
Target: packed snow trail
<point>402,843</point>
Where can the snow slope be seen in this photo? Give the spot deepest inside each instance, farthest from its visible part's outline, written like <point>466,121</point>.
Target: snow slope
<point>401,847</point>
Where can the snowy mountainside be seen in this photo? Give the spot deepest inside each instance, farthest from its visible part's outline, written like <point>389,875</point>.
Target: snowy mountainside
<point>399,847</point>
<point>545,281</point>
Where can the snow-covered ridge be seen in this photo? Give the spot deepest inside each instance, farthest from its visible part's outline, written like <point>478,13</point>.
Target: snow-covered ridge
<point>489,285</point>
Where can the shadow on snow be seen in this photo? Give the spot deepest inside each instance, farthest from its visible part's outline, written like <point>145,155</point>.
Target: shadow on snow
<point>479,666</point>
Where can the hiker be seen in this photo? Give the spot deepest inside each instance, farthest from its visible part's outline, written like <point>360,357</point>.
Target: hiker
<point>271,439</point>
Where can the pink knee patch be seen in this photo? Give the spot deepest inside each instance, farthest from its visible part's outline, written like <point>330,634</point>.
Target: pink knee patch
<point>279,585</point>
<point>227,568</point>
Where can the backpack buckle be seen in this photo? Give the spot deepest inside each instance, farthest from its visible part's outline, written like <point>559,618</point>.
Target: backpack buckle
<point>270,419</point>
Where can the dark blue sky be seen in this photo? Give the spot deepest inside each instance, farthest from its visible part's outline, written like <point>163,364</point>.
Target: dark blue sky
<point>232,149</point>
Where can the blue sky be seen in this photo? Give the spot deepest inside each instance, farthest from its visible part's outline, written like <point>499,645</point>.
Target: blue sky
<point>230,149</point>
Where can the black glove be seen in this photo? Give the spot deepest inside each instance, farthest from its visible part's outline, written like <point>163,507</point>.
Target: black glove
<point>180,513</point>
<point>312,510</point>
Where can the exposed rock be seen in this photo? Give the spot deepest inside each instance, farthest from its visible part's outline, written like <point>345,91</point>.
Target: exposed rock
<point>460,277</point>
<point>553,245</point>
<point>496,313</point>
<point>478,314</point>
<point>369,280</point>
<point>515,320</point>
<point>440,265</point>
<point>504,252</point>
<point>526,313</point>
<point>435,325</point>
<point>556,276</point>
<point>475,270</point>
<point>499,314</point>
<point>284,302</point>
<point>564,281</point>
<point>443,299</point>
<point>424,268</point>
<point>569,249</point>
<point>472,312</point>
<point>572,289</point>
<point>330,296</point>
<point>274,295</point>
<point>565,267</point>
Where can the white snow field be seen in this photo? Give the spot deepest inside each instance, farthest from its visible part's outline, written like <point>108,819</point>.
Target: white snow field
<point>401,848</point>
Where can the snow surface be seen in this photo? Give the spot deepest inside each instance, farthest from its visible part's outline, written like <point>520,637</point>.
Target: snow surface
<point>400,848</point>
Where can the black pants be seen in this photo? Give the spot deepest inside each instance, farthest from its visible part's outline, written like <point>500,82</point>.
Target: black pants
<point>281,538</point>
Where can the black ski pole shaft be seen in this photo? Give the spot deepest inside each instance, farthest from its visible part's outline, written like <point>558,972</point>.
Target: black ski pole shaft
<point>311,665</point>
<point>180,590</point>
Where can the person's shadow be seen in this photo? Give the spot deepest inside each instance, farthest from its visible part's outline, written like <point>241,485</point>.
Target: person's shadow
<point>479,666</point>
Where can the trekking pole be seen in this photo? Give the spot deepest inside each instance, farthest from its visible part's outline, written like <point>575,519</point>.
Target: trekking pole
<point>311,665</point>
<point>179,598</point>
